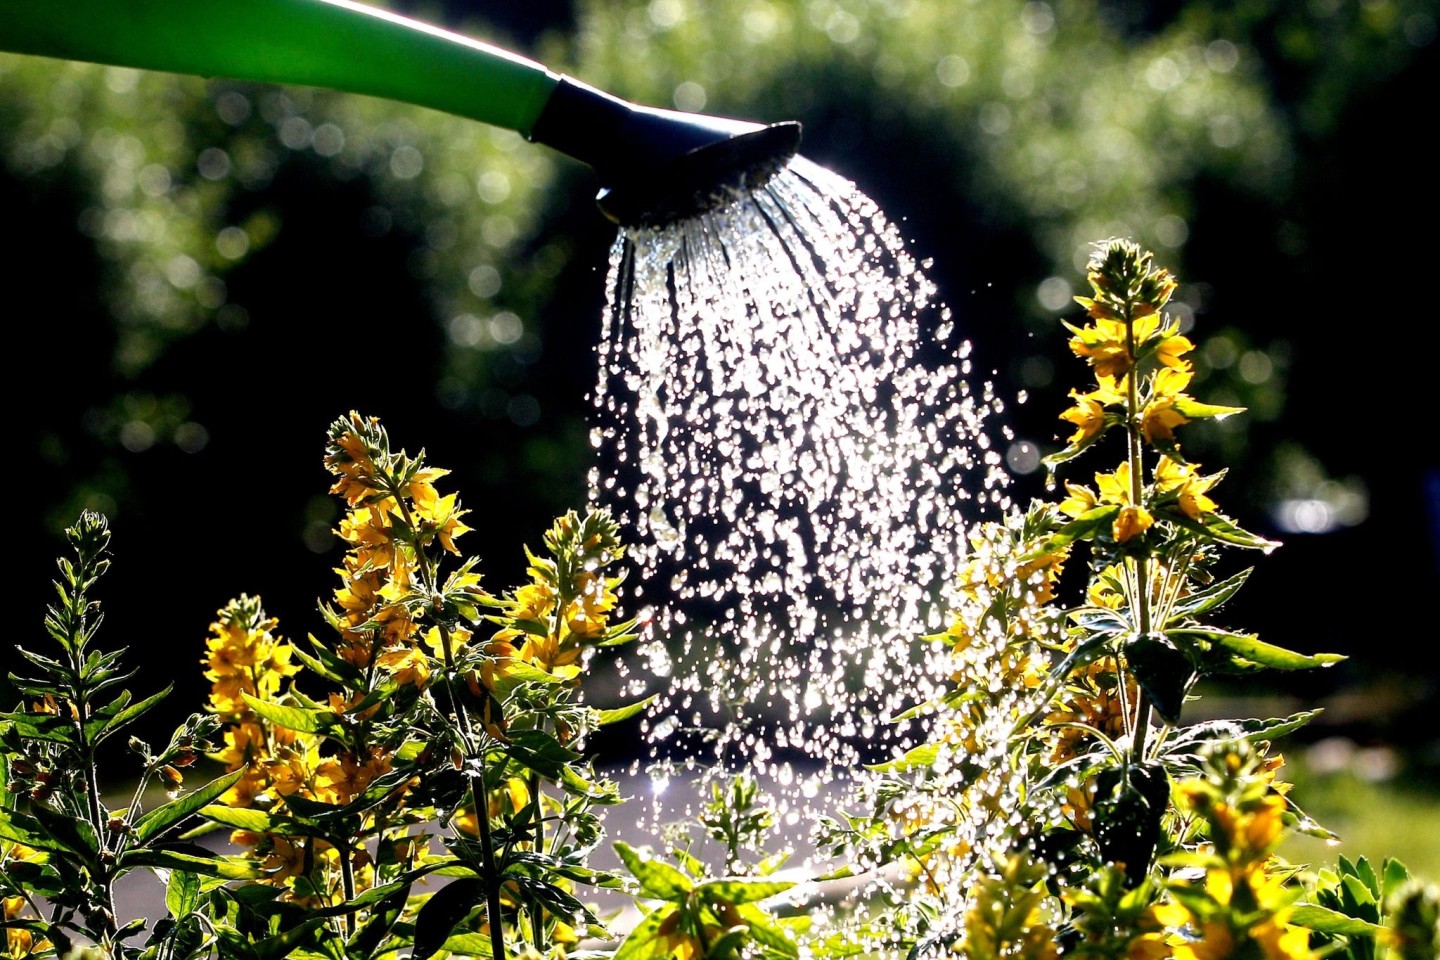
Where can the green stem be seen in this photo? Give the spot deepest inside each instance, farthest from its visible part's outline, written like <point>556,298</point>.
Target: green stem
<point>482,809</point>
<point>537,919</point>
<point>347,886</point>
<point>1137,492</point>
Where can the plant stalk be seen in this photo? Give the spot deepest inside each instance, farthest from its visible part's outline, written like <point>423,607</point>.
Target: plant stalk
<point>482,810</point>
<point>1135,457</point>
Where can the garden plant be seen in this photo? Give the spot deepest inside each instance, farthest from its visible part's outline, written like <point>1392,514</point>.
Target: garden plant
<point>414,780</point>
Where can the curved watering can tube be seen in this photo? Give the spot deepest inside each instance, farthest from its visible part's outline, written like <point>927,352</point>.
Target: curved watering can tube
<point>657,166</point>
<point>321,43</point>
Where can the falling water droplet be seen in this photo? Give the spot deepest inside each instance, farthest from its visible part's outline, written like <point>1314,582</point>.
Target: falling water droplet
<point>781,393</point>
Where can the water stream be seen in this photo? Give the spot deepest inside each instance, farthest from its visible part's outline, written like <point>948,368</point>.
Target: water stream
<point>787,425</point>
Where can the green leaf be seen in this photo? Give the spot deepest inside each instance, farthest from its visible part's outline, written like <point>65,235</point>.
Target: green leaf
<point>273,948</point>
<point>75,834</point>
<point>916,758</point>
<point>541,752</point>
<point>440,915</point>
<point>322,668</point>
<point>231,868</point>
<point>764,929</point>
<point>1249,647</point>
<point>97,730</point>
<point>1188,738</point>
<point>18,827</point>
<point>469,945</point>
<point>1163,672</point>
<point>644,941</point>
<point>604,792</point>
<point>1396,875</point>
<point>372,933</point>
<point>166,815</point>
<point>241,818</point>
<point>608,717</point>
<point>1332,922</point>
<point>182,893</point>
<point>741,891</point>
<point>293,718</point>
<point>1082,527</point>
<point>39,726</point>
<point>1195,410</point>
<point>1203,601</point>
<point>656,878</point>
<point>1219,528</point>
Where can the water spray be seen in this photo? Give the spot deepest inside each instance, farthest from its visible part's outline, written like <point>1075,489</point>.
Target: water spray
<point>656,166</point>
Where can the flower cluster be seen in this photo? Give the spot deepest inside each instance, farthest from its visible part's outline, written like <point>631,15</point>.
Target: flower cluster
<point>1242,906</point>
<point>1038,816</point>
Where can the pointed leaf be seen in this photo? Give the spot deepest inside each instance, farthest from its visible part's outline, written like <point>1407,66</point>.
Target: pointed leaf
<point>617,714</point>
<point>1203,601</point>
<point>98,731</point>
<point>182,893</point>
<point>1194,409</point>
<point>1332,922</point>
<point>644,941</point>
<point>656,879</point>
<point>442,912</point>
<point>739,891</point>
<point>1189,738</point>
<point>1396,875</point>
<point>1251,648</point>
<point>75,834</point>
<point>1163,672</point>
<point>293,718</point>
<point>242,818</point>
<point>167,815</point>
<point>231,868</point>
<point>916,758</point>
<point>1082,527</point>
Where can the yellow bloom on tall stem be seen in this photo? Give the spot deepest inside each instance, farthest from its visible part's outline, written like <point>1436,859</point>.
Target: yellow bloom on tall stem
<point>1184,480</point>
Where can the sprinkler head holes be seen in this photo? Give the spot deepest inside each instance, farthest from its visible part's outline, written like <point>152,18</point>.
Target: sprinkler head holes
<point>703,179</point>
<point>660,166</point>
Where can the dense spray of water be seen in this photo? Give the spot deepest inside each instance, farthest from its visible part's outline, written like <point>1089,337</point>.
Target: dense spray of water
<point>787,427</point>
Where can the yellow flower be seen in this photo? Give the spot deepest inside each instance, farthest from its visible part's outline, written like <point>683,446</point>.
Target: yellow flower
<point>284,859</point>
<point>342,779</point>
<point>1189,487</point>
<point>1160,418</point>
<point>1103,344</point>
<point>534,601</point>
<point>1216,943</point>
<point>408,666</point>
<point>20,942</point>
<point>1172,347</point>
<point>1088,414</point>
<point>1081,500</point>
<point>1130,522</point>
<point>1281,941</point>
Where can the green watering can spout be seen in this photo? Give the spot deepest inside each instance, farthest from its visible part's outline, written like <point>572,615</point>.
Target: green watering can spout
<point>656,166</point>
